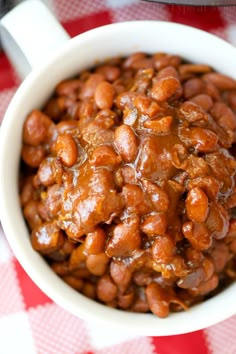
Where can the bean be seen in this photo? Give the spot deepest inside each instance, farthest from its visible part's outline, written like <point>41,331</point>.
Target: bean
<point>104,119</point>
<point>60,268</point>
<point>47,237</point>
<point>195,257</point>
<point>125,175</point>
<point>104,95</point>
<point>146,105</point>
<point>77,256</point>
<point>135,200</point>
<point>159,126</point>
<point>129,62</point>
<point>155,224</point>
<point>33,155</point>
<point>165,88</point>
<point>192,280</point>
<point>125,240</point>
<point>74,282</point>
<point>89,88</point>
<point>125,300</point>
<point>126,143</point>
<point>97,263</point>
<point>62,253</point>
<point>81,271</point>
<point>157,195</point>
<point>163,249</point>
<point>66,149</point>
<point>209,184</point>
<point>195,166</point>
<point>192,112</point>
<point>89,290</point>
<point>45,172</point>
<point>59,105</point>
<point>197,205</point>
<point>87,112</point>
<point>179,268</point>
<point>203,100</point>
<point>211,90</point>
<point>125,99</point>
<point>206,287</point>
<point>106,289</point>
<point>232,229</point>
<point>65,126</point>
<point>232,246</point>
<point>68,87</point>
<point>193,87</point>
<point>142,277</point>
<point>105,156</point>
<point>140,303</point>
<point>197,234</point>
<point>231,98</point>
<point>168,71</point>
<point>68,247</point>
<point>54,199</point>
<point>223,115</point>
<point>145,63</point>
<point>218,221</point>
<point>203,140</point>
<point>220,256</point>
<point>53,108</point>
<point>120,274</point>
<point>27,191</point>
<point>104,114</point>
<point>194,69</point>
<point>95,241</point>
<point>179,155</point>
<point>44,211</point>
<point>162,60</point>
<point>111,73</point>
<point>130,116</point>
<point>143,77</point>
<point>98,132</point>
<point>208,267</point>
<point>157,300</point>
<point>35,129</point>
<point>31,214</point>
<point>221,82</point>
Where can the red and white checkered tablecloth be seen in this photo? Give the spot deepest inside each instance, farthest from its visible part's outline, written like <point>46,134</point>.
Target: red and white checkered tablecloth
<point>30,322</point>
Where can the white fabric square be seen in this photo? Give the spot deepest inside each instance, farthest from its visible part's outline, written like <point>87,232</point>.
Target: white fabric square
<point>104,337</point>
<point>231,34</point>
<point>57,331</point>
<point>119,3</point>
<point>15,335</point>
<point>228,14</point>
<point>141,345</point>
<point>69,10</point>
<point>11,299</point>
<point>221,337</point>
<point>137,10</point>
<point>5,250</point>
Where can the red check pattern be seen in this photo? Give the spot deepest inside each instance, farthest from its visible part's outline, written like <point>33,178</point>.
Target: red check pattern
<point>29,321</point>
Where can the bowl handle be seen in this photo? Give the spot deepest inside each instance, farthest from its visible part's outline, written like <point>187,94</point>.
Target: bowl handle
<point>30,35</point>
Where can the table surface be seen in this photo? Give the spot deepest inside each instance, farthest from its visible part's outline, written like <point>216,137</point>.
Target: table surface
<point>28,318</point>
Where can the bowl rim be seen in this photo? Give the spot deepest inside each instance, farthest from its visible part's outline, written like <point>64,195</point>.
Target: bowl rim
<point>198,317</point>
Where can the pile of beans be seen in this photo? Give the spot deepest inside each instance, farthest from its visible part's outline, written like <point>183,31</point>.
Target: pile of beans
<point>127,182</point>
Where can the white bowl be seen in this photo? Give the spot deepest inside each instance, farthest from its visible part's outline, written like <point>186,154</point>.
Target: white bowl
<point>78,54</point>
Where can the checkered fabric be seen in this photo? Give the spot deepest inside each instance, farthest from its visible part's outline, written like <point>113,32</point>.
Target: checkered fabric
<point>30,322</point>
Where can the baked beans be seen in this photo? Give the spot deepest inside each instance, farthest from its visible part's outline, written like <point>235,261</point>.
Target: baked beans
<point>127,182</point>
